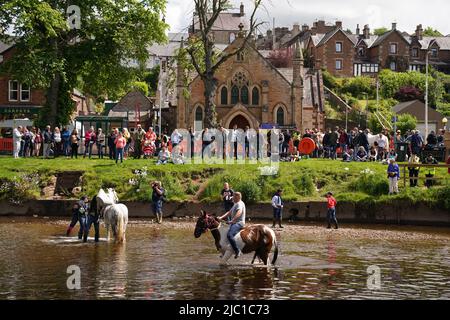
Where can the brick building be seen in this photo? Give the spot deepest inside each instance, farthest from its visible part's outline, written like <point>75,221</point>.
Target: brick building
<point>252,92</point>
<point>17,100</point>
<point>20,100</point>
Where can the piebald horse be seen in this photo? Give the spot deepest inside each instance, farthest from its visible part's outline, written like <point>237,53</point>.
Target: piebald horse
<point>115,215</point>
<point>257,238</point>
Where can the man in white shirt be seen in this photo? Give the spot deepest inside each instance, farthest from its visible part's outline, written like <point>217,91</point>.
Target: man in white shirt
<point>234,140</point>
<point>176,138</point>
<point>382,146</point>
<point>237,214</point>
<point>17,138</point>
<point>277,205</point>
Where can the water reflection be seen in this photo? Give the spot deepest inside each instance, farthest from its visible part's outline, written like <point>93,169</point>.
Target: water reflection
<point>170,264</point>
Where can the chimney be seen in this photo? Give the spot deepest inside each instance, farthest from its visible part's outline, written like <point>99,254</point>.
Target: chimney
<point>321,26</point>
<point>305,27</point>
<point>419,32</point>
<point>296,28</point>
<point>338,24</point>
<point>242,10</point>
<point>366,32</point>
<point>358,31</point>
<point>394,26</point>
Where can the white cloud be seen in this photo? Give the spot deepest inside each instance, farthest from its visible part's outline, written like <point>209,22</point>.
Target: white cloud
<point>376,13</point>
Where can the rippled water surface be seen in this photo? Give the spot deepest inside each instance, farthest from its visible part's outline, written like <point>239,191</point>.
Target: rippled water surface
<point>168,263</point>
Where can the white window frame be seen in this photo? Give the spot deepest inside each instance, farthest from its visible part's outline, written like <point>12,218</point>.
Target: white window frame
<point>415,52</point>
<point>22,91</point>
<point>341,62</point>
<point>393,66</point>
<point>433,51</point>
<point>393,45</point>
<point>341,47</point>
<point>10,90</point>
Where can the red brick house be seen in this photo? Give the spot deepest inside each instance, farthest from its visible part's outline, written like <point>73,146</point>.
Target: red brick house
<point>17,100</point>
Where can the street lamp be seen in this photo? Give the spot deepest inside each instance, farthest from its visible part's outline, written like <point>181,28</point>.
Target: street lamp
<point>444,122</point>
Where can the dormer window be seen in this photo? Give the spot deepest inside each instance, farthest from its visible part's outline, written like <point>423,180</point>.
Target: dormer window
<point>434,52</point>
<point>361,52</point>
<point>415,52</point>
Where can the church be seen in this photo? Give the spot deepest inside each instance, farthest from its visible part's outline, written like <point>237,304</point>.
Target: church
<point>252,92</point>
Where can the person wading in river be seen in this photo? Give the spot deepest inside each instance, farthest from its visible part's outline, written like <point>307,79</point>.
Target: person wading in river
<point>79,211</point>
<point>331,215</point>
<point>277,205</point>
<point>237,214</point>
<point>158,200</point>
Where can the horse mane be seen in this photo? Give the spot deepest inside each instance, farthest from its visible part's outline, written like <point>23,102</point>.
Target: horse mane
<point>104,197</point>
<point>93,206</point>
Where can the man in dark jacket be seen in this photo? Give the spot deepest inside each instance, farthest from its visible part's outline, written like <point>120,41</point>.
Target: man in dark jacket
<point>48,139</point>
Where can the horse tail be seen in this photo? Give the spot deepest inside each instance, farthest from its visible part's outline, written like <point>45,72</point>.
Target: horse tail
<point>120,226</point>
<point>275,244</point>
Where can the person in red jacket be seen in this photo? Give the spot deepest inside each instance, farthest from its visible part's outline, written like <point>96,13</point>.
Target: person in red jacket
<point>331,214</point>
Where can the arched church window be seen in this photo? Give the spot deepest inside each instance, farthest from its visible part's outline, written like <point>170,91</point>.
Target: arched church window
<point>255,96</point>
<point>280,116</point>
<point>224,96</point>
<point>244,95</point>
<point>198,123</point>
<point>234,95</point>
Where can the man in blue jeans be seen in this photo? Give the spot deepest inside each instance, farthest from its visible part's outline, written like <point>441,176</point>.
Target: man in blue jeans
<point>237,214</point>
<point>79,212</point>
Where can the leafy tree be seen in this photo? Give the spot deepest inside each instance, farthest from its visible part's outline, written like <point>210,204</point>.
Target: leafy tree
<point>151,78</point>
<point>281,58</point>
<point>141,86</point>
<point>406,122</point>
<point>380,31</point>
<point>430,32</point>
<point>52,55</point>
<point>201,56</point>
<point>409,93</point>
<point>359,87</point>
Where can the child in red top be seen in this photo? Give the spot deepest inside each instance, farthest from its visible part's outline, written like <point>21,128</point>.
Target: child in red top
<point>331,214</point>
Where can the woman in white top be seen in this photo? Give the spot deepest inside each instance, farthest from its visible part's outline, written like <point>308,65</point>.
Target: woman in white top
<point>58,142</point>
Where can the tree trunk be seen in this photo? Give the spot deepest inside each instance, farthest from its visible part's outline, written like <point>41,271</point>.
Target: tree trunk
<point>52,100</point>
<point>210,107</point>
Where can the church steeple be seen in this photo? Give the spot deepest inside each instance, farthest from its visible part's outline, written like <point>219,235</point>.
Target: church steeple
<point>298,64</point>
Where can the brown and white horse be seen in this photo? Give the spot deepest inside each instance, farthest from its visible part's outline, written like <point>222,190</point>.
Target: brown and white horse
<point>259,239</point>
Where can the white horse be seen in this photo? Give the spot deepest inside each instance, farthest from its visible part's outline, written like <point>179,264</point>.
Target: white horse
<point>115,215</point>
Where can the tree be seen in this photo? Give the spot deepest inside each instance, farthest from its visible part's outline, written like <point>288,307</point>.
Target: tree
<point>281,58</point>
<point>201,55</point>
<point>430,32</point>
<point>55,53</point>
<point>380,31</point>
<point>406,122</point>
<point>409,93</point>
<point>141,87</point>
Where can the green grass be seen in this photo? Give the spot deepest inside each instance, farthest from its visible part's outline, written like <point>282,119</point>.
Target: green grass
<point>307,180</point>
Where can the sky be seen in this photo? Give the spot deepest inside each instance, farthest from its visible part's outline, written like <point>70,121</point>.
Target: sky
<point>377,13</point>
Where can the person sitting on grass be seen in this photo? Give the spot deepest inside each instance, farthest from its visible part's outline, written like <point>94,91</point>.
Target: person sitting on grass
<point>347,156</point>
<point>361,155</point>
<point>393,175</point>
<point>164,156</point>
<point>373,154</point>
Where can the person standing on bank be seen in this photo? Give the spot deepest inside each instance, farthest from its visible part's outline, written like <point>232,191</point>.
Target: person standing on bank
<point>237,223</point>
<point>393,175</point>
<point>277,205</point>
<point>331,215</point>
<point>227,197</point>
<point>158,200</point>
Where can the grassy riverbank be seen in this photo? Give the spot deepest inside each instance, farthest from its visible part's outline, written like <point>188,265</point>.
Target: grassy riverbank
<point>307,180</point>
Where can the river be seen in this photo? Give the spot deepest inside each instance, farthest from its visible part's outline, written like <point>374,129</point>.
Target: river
<point>167,262</point>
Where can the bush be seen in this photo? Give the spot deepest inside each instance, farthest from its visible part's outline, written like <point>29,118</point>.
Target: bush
<point>304,186</point>
<point>406,122</point>
<point>359,87</point>
<point>409,93</point>
<point>370,183</point>
<point>251,192</point>
<point>330,81</point>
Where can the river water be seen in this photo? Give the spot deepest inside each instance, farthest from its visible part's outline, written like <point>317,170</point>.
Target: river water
<point>166,262</point>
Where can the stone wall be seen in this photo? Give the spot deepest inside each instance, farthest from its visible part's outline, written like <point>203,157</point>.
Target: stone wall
<point>398,213</point>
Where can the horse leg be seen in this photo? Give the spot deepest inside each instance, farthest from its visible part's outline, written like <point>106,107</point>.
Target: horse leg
<point>254,257</point>
<point>227,256</point>
<point>108,235</point>
<point>265,257</point>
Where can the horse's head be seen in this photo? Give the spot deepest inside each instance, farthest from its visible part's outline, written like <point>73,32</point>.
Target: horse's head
<point>204,223</point>
<point>113,195</point>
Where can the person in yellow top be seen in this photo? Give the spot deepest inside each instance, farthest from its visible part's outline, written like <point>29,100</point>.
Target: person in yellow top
<point>126,134</point>
<point>413,171</point>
